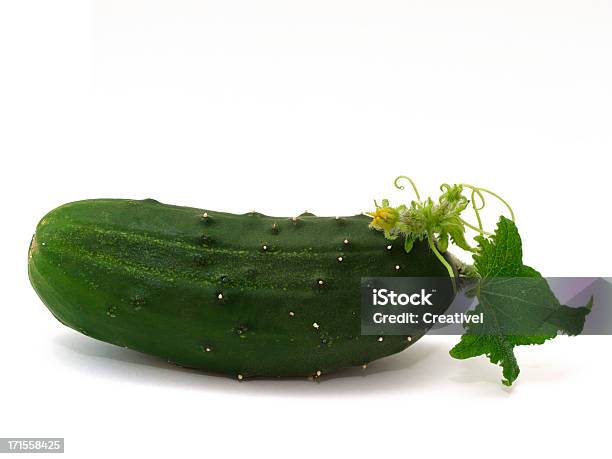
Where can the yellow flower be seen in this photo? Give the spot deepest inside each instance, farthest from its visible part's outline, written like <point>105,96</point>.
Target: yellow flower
<point>384,218</point>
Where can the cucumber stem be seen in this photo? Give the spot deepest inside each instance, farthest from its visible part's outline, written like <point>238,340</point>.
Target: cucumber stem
<point>439,256</point>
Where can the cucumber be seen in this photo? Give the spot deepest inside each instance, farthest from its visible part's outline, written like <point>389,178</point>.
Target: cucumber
<point>246,295</point>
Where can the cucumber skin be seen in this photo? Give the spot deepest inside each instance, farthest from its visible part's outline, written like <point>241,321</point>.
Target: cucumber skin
<point>148,276</point>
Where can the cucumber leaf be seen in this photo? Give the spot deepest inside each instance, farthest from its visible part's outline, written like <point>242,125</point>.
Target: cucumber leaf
<point>517,304</point>
<point>408,243</point>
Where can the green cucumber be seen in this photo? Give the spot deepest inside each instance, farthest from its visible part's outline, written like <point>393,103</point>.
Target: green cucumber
<point>246,295</point>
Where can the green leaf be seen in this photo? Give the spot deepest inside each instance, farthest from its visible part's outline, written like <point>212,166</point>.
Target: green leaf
<point>442,242</point>
<point>456,230</point>
<point>408,243</point>
<point>517,304</point>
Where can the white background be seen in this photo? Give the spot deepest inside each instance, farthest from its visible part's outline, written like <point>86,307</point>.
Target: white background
<point>282,106</point>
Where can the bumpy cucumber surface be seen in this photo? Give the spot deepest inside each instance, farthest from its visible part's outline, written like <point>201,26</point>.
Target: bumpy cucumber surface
<point>247,295</point>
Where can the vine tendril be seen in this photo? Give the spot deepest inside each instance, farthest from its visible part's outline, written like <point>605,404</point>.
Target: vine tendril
<point>478,209</point>
<point>401,187</point>
<point>476,228</point>
<point>479,191</point>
